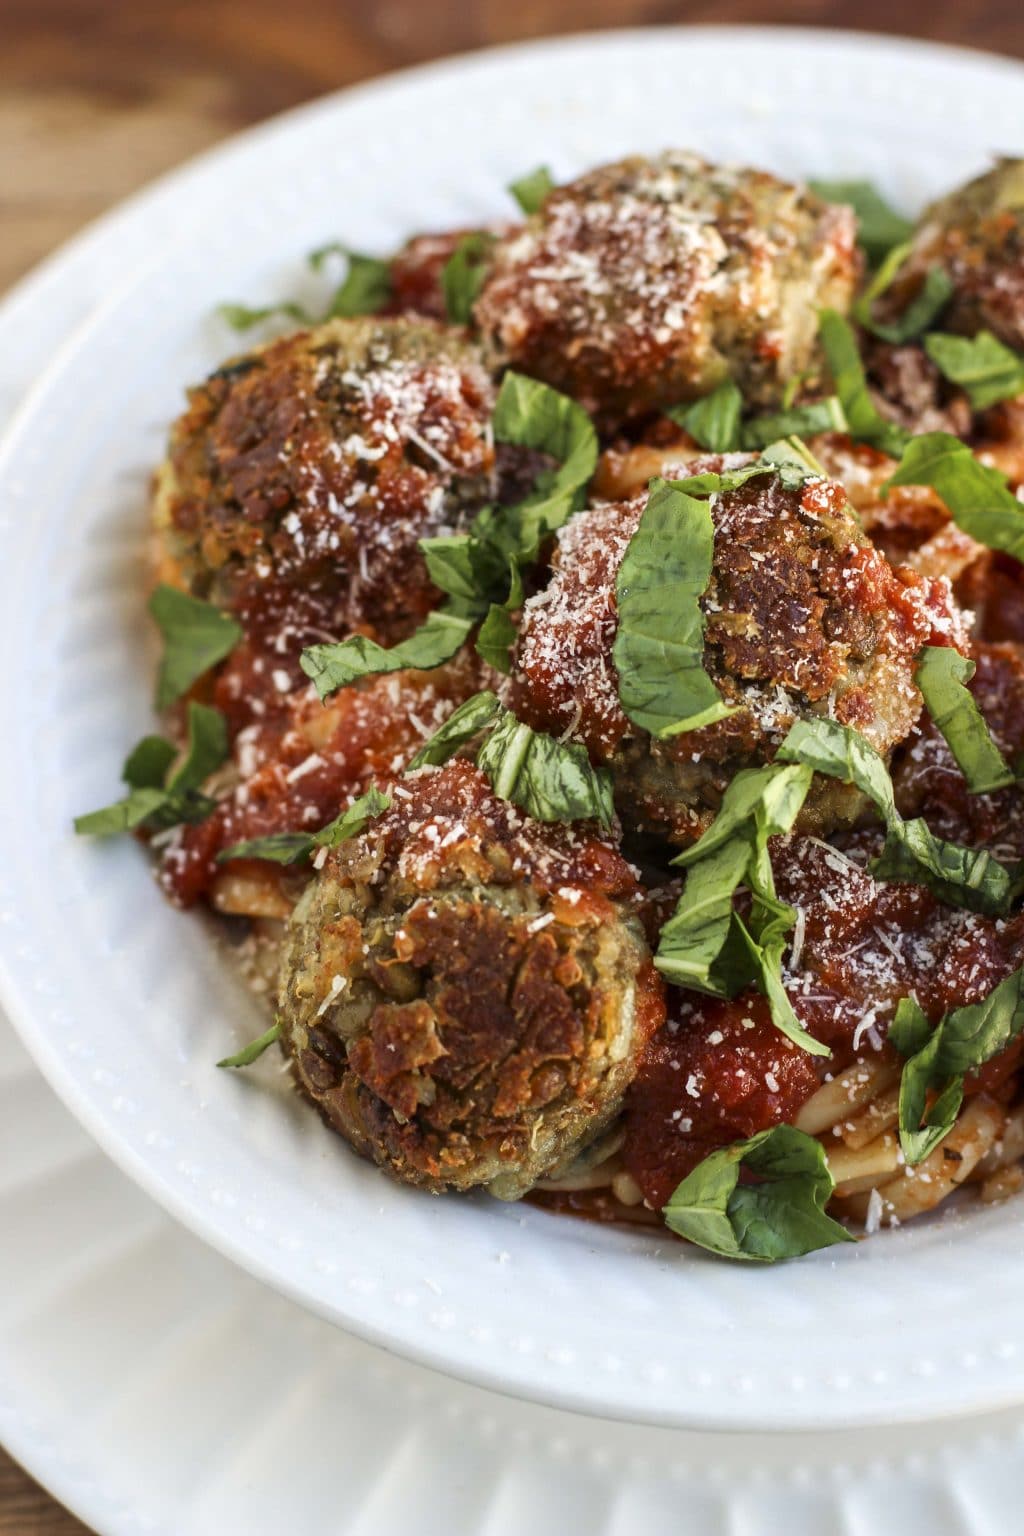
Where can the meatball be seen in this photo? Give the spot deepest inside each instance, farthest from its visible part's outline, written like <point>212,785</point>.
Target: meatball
<point>803,617</point>
<point>464,992</point>
<point>302,475</point>
<point>976,235</point>
<point>650,281</point>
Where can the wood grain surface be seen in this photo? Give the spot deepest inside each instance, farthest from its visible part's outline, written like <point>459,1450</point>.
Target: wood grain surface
<point>99,96</point>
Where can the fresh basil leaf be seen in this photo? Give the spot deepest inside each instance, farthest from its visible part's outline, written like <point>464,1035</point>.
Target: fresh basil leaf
<point>879,227</point>
<point>207,749</point>
<point>961,877</point>
<point>865,422</point>
<point>353,821</point>
<point>242,317</point>
<point>981,365</point>
<point>745,793</point>
<point>840,752</point>
<point>532,415</point>
<point>798,421</point>
<point>714,421</point>
<point>659,644</point>
<point>124,816</point>
<point>275,848</point>
<point>196,636</point>
<point>766,961</point>
<point>462,275</point>
<point>922,1129</point>
<point>366,286</point>
<point>932,296</point>
<point>147,764</point>
<point>978,498</point>
<point>531,190</point>
<point>780,1216</point>
<point>441,635</point>
<point>293,847</point>
<point>551,780</point>
<point>471,717</point>
<point>911,1028</point>
<point>691,942</point>
<point>498,632</point>
<point>254,1050</point>
<point>158,798</point>
<point>941,675</point>
<point>965,1039</point>
<point>793,462</point>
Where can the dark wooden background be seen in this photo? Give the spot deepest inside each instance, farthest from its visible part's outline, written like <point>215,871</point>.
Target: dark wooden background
<point>98,96</point>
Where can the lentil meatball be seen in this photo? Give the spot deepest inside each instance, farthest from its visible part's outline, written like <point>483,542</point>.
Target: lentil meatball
<point>976,235</point>
<point>302,475</point>
<point>464,992</point>
<point>803,617</point>
<point>650,281</point>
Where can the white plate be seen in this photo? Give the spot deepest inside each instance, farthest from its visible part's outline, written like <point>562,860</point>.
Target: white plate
<point>125,1005</point>
<point>156,1389</point>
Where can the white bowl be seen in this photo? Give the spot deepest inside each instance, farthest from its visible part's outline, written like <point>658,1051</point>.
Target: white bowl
<point>126,1005</point>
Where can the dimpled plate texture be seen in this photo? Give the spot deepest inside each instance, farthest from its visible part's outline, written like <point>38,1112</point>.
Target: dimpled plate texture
<point>126,1005</point>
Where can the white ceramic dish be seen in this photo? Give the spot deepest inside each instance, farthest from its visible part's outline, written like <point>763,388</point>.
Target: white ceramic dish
<point>126,1005</point>
<point>158,1391</point>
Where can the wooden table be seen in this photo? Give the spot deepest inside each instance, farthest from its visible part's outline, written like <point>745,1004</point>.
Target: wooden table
<point>98,96</point>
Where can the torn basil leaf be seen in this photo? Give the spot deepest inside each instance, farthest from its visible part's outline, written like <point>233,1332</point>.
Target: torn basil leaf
<point>978,497</point>
<point>879,227</point>
<point>254,1050</point>
<point>962,877</point>
<point>691,943</point>
<point>462,275</point>
<point>964,1040</point>
<point>931,297</point>
<point>550,780</point>
<point>159,798</point>
<point>242,317</point>
<point>531,190</point>
<point>533,415</point>
<point>865,422</point>
<point>333,666</point>
<point>985,369</point>
<point>714,421</point>
<point>497,632</point>
<point>366,286</point>
<point>462,725</point>
<point>293,847</point>
<point>780,1214</point>
<point>941,675</point>
<point>659,643</point>
<point>798,421</point>
<point>196,636</point>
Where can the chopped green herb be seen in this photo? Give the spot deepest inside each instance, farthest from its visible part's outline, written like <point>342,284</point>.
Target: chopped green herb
<point>659,644</point>
<point>714,421</point>
<point>159,798</point>
<point>961,877</point>
<point>879,227</point>
<point>462,275</point>
<point>254,1050</point>
<point>498,632</point>
<point>293,847</point>
<point>932,296</point>
<point>983,367</point>
<point>978,498</point>
<point>798,421</point>
<point>436,641</point>
<point>551,780</point>
<point>462,725</point>
<point>531,190</point>
<point>196,636</point>
<point>941,676</point>
<point>780,1215</point>
<point>366,286</point>
<point>965,1039</point>
<point>242,317</point>
<point>865,422</point>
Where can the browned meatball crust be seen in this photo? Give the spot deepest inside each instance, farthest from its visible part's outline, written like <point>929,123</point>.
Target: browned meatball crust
<point>464,991</point>
<point>976,235</point>
<point>803,617</point>
<point>650,281</point>
<point>305,472</point>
